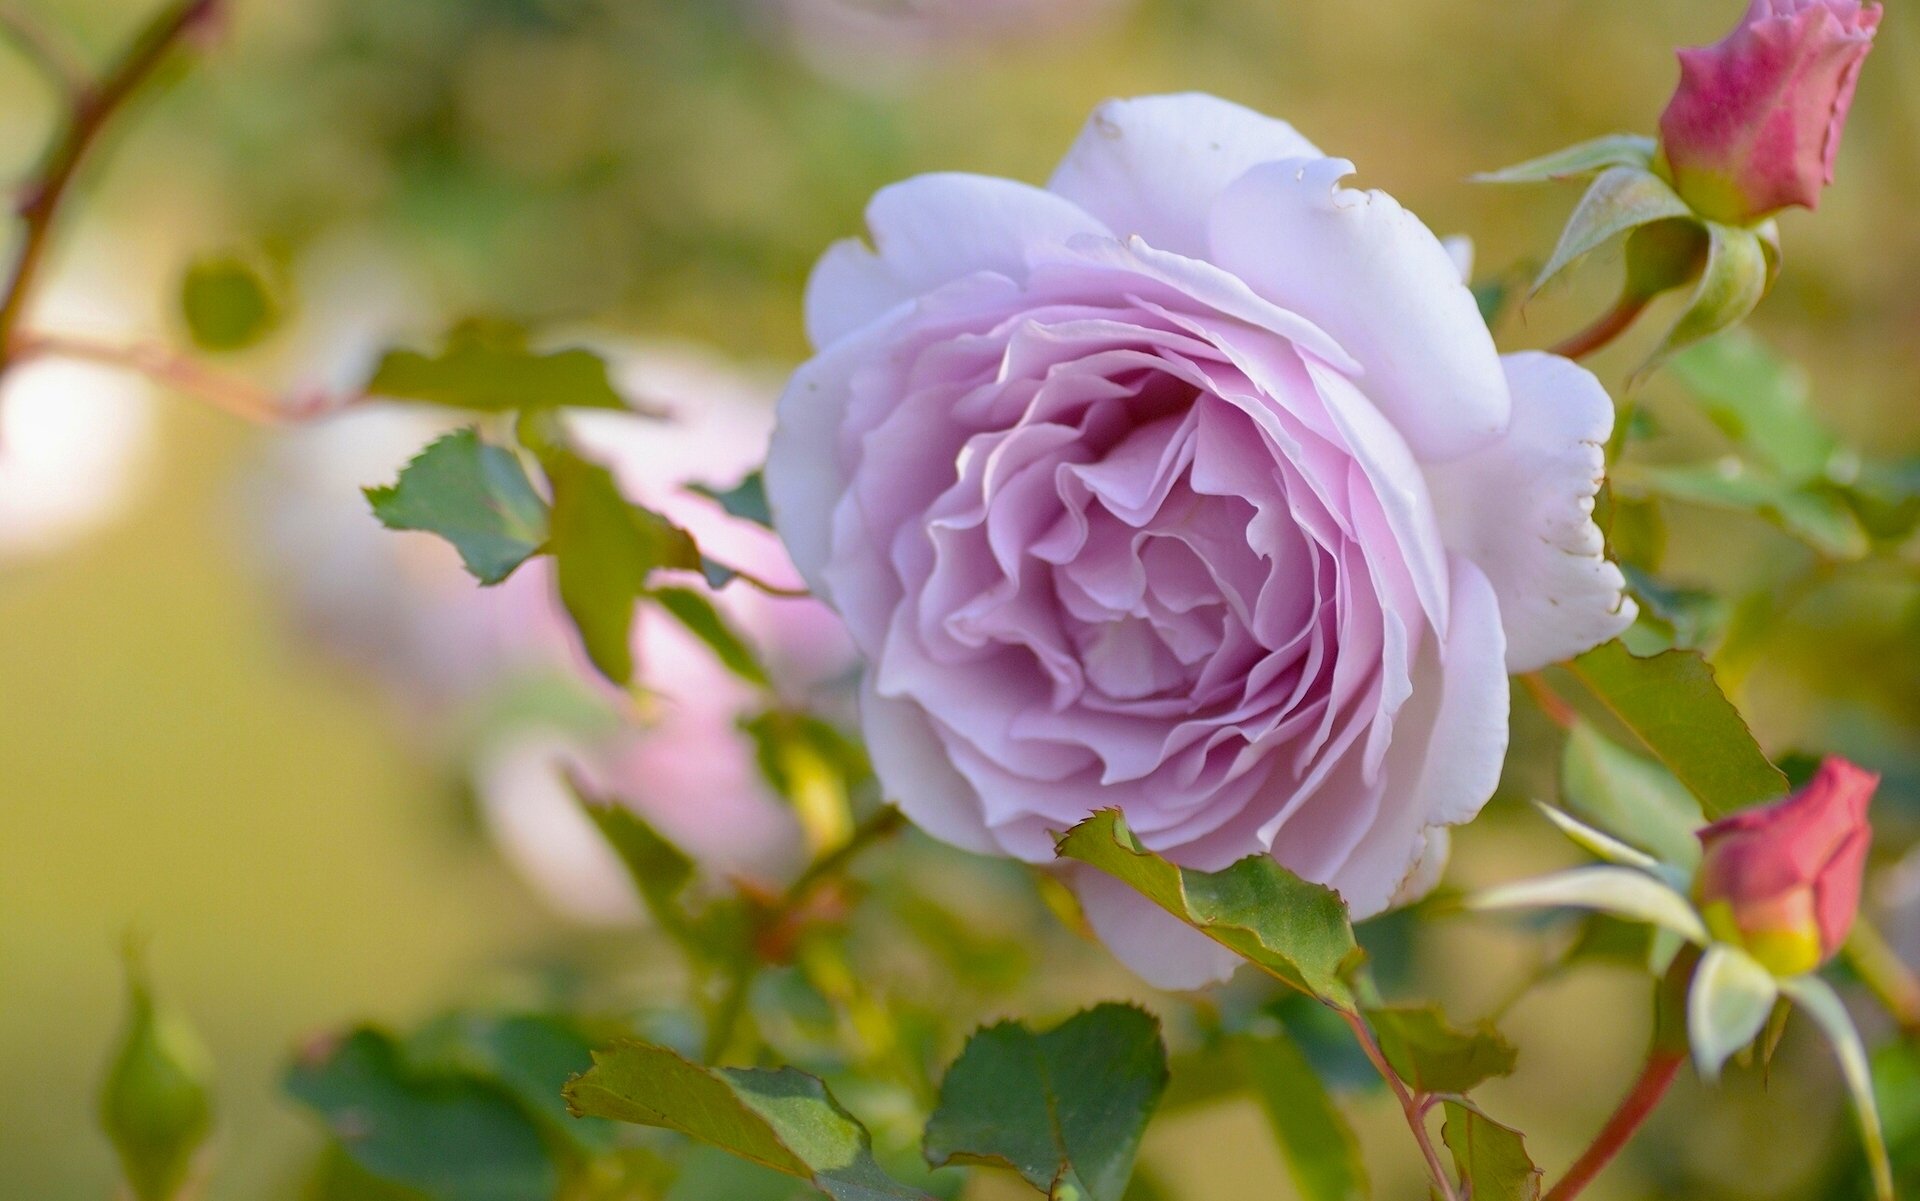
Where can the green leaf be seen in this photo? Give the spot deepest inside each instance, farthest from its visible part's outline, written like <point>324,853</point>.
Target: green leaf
<point>784,1120</point>
<point>1321,1153</point>
<point>1621,199</point>
<point>474,495</point>
<point>156,1102</point>
<point>1435,1056</point>
<point>1760,400</point>
<point>605,551</point>
<point>746,500</point>
<point>529,1055</point>
<point>705,622</point>
<point>1065,1108</point>
<point>1629,797</point>
<point>1614,150</point>
<point>1491,1158</point>
<point>227,304</point>
<point>449,1135</point>
<point>1815,513</point>
<point>1673,705</point>
<point>1296,931</point>
<point>1738,273</point>
<point>659,870</point>
<point>488,367</point>
<point>710,1174</point>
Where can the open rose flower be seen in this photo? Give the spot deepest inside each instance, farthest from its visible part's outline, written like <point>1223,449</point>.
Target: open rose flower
<point>1193,485</point>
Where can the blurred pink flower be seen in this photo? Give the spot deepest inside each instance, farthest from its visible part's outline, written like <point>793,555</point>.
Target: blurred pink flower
<point>882,42</point>
<point>400,605</point>
<point>1783,881</point>
<point>1755,125</point>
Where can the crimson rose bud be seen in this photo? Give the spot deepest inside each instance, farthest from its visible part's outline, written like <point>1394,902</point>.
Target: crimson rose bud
<point>1756,122</point>
<point>1783,881</point>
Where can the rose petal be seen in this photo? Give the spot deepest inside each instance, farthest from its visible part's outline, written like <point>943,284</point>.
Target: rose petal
<point>1152,167</point>
<point>1522,509</point>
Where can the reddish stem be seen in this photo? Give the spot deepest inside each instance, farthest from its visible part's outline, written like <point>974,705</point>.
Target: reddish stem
<point>1611,325</point>
<point>1655,1078</point>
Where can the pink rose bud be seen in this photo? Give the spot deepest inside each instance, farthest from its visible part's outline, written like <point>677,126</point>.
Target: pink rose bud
<point>1783,881</point>
<point>1756,122</point>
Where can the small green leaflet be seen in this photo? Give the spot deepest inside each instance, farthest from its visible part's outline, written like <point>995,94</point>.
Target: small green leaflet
<point>1813,511</point>
<point>156,1106</point>
<point>785,1120</point>
<point>448,1134</point>
<point>1296,931</point>
<point>1065,1108</point>
<point>1624,795</point>
<point>659,870</point>
<point>1491,1158</point>
<point>1433,1055</point>
<point>226,303</point>
<point>474,495</point>
<point>746,500</point>
<point>489,368</point>
<point>1758,399</point>
<point>606,550</point>
<point>1321,1152</point>
<point>1673,705</point>
<point>704,621</point>
<point>1586,158</point>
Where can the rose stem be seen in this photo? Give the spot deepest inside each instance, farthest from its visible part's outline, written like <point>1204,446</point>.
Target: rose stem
<point>1611,325</point>
<point>1413,1105</point>
<point>229,394</point>
<point>92,108</point>
<point>1662,1065</point>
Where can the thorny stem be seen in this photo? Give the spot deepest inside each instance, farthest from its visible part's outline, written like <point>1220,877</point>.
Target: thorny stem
<point>1413,1105</point>
<point>1662,1065</point>
<point>1611,325</point>
<point>92,109</point>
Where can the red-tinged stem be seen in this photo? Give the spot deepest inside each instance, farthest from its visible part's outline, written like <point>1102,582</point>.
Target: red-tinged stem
<point>92,110</point>
<point>230,394</point>
<point>1558,711</point>
<point>1413,1105</point>
<point>1655,1078</point>
<point>1611,325</point>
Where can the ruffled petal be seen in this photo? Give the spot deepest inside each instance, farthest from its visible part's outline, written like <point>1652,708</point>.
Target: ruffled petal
<point>1369,273</point>
<point>1522,509</point>
<point>1152,167</point>
<point>931,230</point>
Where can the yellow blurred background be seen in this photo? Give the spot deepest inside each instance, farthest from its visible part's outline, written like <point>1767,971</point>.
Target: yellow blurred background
<point>174,760</point>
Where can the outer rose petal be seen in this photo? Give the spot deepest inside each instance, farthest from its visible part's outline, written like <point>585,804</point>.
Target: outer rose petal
<point>1522,509</point>
<point>918,773</point>
<point>1158,947</point>
<point>1369,273</point>
<point>931,230</point>
<point>1152,167</point>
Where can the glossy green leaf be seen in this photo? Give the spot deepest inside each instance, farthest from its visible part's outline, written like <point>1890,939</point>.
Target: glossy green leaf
<point>1316,1142</point>
<point>784,1120</point>
<point>1065,1107</point>
<point>1673,705</point>
<point>1435,1056</point>
<point>1296,931</point>
<point>1815,513</point>
<point>227,304</point>
<point>489,367</point>
<point>1631,798</point>
<point>606,551</point>
<point>474,495</point>
<point>1760,400</point>
<point>705,621</point>
<point>156,1101</point>
<point>1621,199</point>
<point>451,1136</point>
<point>710,1174</point>
<point>746,500</point>
<point>1491,1158</point>
<point>1613,150</point>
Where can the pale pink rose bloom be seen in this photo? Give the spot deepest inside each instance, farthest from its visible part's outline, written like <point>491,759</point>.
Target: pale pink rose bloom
<point>77,440</point>
<point>401,605</point>
<point>1755,124</point>
<point>1192,485</point>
